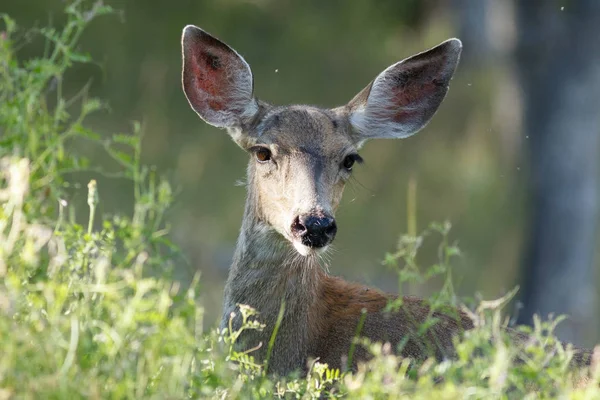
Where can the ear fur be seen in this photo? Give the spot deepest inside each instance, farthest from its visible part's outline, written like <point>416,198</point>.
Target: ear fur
<point>217,81</point>
<point>403,98</point>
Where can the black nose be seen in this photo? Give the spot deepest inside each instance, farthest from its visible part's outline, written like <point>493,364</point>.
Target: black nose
<point>314,230</point>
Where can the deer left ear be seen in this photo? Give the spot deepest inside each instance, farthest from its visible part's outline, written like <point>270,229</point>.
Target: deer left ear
<point>217,81</point>
<point>404,97</point>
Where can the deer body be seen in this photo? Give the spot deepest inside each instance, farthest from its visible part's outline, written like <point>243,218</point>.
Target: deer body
<point>300,159</point>
<point>321,313</point>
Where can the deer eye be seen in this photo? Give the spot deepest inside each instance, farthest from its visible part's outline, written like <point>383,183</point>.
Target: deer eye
<point>349,162</point>
<point>262,154</point>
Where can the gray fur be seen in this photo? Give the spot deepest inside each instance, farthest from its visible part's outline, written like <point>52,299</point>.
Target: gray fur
<point>382,116</point>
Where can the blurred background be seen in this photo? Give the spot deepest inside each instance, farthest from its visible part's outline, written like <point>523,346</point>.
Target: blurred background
<point>511,158</point>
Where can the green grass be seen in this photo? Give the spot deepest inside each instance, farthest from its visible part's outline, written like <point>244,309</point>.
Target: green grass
<point>85,314</point>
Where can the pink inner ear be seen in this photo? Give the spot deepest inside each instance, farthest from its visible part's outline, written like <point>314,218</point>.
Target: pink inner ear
<point>216,80</point>
<point>413,90</point>
<point>410,101</point>
<point>209,79</point>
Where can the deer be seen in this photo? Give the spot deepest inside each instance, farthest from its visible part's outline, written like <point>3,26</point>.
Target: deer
<point>300,158</point>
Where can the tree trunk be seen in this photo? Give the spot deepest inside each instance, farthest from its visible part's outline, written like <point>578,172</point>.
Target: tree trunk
<point>558,56</point>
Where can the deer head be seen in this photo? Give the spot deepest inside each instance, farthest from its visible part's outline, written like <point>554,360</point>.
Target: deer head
<point>302,156</point>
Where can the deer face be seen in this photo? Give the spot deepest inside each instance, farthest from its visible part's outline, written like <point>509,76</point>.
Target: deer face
<point>301,156</point>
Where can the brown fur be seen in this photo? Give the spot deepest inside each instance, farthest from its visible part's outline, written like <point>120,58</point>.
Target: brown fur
<point>344,304</point>
<point>304,174</point>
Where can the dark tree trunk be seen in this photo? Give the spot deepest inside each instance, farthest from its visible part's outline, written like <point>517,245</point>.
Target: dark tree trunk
<point>558,56</point>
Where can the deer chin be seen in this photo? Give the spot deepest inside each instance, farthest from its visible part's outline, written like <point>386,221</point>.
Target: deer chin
<point>308,251</point>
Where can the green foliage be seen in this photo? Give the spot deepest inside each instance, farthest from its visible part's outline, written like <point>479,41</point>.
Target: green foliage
<point>84,312</point>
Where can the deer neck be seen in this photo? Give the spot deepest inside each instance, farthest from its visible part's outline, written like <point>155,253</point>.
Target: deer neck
<point>266,272</point>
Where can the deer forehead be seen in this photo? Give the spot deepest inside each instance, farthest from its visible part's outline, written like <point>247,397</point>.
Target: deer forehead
<point>305,129</point>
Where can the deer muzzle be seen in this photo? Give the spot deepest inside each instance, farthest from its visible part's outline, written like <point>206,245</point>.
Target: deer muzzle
<point>314,230</point>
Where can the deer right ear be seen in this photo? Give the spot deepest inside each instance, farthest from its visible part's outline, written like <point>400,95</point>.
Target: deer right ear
<point>217,81</point>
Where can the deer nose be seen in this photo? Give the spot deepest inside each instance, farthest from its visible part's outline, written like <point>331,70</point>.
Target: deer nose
<point>314,230</point>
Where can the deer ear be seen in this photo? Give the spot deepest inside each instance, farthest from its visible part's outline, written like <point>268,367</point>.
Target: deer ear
<point>217,81</point>
<point>404,97</point>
